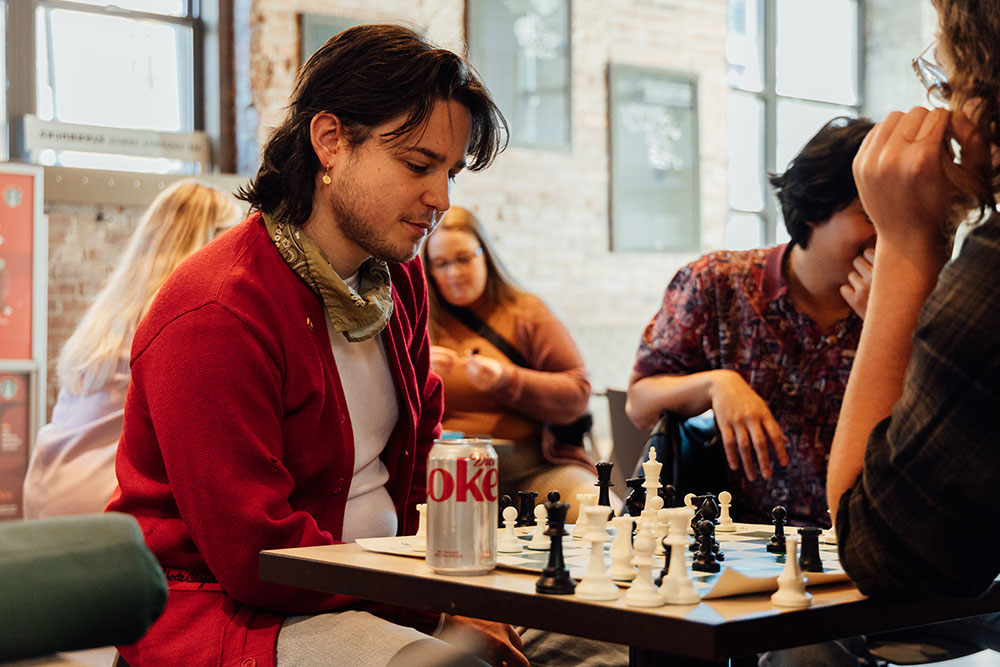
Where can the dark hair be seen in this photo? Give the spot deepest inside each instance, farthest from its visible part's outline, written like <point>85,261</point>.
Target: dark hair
<point>969,32</point>
<point>365,76</point>
<point>500,287</point>
<point>819,181</point>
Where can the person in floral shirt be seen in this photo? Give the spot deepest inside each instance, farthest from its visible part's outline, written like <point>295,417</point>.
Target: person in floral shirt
<point>765,338</point>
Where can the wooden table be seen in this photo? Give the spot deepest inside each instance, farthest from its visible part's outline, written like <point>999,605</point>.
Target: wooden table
<point>708,633</point>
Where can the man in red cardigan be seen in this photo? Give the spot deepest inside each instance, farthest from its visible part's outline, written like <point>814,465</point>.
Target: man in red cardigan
<point>281,392</point>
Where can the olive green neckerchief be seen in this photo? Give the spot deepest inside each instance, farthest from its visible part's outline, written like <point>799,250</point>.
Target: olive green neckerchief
<point>360,314</point>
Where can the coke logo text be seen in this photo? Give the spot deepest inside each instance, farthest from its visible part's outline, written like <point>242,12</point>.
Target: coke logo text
<point>481,485</point>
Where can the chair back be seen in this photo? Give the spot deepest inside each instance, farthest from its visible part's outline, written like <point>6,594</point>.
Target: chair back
<point>628,442</point>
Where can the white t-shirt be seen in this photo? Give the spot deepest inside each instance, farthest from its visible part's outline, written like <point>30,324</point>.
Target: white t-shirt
<point>373,409</point>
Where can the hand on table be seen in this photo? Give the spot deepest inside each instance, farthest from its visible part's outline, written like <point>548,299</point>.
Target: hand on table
<point>859,283</point>
<point>499,643</point>
<point>746,425</point>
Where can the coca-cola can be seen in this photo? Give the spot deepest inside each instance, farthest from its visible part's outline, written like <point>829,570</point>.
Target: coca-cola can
<point>462,481</point>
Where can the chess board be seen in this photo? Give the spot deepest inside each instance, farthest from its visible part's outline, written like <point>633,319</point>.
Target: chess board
<point>748,566</point>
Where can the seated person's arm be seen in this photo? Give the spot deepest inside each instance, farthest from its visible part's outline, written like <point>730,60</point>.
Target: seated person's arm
<point>745,423</point>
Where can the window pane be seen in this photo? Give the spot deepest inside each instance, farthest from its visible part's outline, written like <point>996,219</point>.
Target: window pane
<point>780,231</point>
<point>816,50</point>
<point>744,231</point>
<point>169,7</point>
<point>745,148</point>
<point>130,77</point>
<point>797,122</point>
<point>522,50</point>
<point>744,45</point>
<point>4,151</point>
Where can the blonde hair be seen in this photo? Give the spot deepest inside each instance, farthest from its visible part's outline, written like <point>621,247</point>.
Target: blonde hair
<point>180,220</point>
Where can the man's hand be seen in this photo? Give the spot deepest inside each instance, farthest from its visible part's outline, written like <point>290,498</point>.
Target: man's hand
<point>443,359</point>
<point>859,283</point>
<point>746,425</point>
<point>497,643</point>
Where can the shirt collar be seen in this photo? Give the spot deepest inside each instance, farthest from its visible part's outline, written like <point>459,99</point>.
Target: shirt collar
<point>775,284</point>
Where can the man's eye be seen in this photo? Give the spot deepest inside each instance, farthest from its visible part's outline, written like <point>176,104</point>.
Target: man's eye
<point>416,168</point>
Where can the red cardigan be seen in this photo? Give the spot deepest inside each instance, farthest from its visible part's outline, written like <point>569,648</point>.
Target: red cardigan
<point>237,438</point>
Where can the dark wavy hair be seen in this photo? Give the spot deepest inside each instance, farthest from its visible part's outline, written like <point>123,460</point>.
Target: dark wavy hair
<point>366,76</point>
<point>969,33</point>
<point>819,181</point>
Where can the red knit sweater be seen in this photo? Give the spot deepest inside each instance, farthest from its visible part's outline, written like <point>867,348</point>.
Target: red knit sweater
<point>237,438</point>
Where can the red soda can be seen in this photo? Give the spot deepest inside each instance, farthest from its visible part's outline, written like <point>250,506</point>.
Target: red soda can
<point>462,479</point>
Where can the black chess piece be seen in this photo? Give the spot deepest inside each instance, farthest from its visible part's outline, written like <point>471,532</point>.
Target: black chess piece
<point>635,501</point>
<point>809,558</point>
<point>503,502</point>
<point>669,494</point>
<point>777,543</point>
<point>526,516</point>
<point>553,496</point>
<point>699,515</point>
<point>710,511</point>
<point>666,562</point>
<point>604,482</point>
<point>704,559</point>
<point>555,579</point>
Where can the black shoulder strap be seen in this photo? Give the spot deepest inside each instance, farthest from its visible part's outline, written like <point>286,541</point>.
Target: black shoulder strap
<point>473,322</point>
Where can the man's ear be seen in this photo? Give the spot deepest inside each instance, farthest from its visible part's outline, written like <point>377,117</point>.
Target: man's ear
<point>327,135</point>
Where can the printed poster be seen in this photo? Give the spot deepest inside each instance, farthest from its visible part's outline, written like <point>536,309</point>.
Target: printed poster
<point>17,219</point>
<point>13,443</point>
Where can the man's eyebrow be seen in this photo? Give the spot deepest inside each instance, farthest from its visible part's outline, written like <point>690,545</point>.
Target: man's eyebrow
<point>437,157</point>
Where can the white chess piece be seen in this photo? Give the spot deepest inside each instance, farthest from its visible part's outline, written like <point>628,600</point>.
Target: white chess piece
<point>508,542</point>
<point>642,592</point>
<point>420,539</point>
<point>651,469</point>
<point>830,534</point>
<point>791,583</point>
<point>621,550</point>
<point>596,583</point>
<point>726,524</point>
<point>662,529</point>
<point>539,540</point>
<point>689,505</point>
<point>584,501</point>
<point>677,587</point>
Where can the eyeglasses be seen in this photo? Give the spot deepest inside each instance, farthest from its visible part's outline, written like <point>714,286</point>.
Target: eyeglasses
<point>931,75</point>
<point>461,260</point>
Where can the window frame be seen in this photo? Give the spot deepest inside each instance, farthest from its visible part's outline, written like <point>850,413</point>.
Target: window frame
<point>211,61</point>
<point>769,98</point>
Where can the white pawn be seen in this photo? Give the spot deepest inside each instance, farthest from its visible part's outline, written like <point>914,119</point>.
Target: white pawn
<point>642,592</point>
<point>726,524</point>
<point>420,539</point>
<point>539,540</point>
<point>651,469</point>
<point>621,550</point>
<point>662,529</point>
<point>584,500</point>
<point>830,534</point>
<point>508,542</point>
<point>689,505</point>
<point>677,587</point>
<point>648,517</point>
<point>596,583</point>
<point>791,583</point>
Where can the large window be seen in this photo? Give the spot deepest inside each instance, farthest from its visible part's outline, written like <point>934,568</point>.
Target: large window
<point>131,64</point>
<point>792,66</point>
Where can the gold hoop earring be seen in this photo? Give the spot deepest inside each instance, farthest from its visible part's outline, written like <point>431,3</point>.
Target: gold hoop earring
<point>326,177</point>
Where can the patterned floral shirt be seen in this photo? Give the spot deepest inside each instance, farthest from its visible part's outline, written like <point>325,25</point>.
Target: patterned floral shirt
<point>732,310</point>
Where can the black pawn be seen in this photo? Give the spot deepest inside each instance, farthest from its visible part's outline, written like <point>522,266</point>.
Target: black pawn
<point>777,543</point>
<point>555,579</point>
<point>704,559</point>
<point>809,559</point>
<point>710,511</point>
<point>635,501</point>
<point>502,503</point>
<point>669,495</point>
<point>526,517</point>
